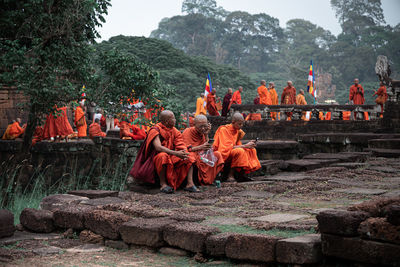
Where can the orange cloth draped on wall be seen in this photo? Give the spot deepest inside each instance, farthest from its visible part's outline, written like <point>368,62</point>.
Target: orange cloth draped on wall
<point>95,130</point>
<point>80,122</point>
<point>136,133</point>
<point>225,138</point>
<point>236,98</point>
<point>176,168</point>
<point>253,117</point>
<point>357,94</point>
<point>206,173</point>
<point>265,97</point>
<point>328,116</point>
<point>291,93</point>
<point>37,135</point>
<point>49,129</point>
<point>346,115</point>
<point>211,105</point>
<point>200,109</point>
<point>13,131</point>
<point>62,125</point>
<point>274,101</point>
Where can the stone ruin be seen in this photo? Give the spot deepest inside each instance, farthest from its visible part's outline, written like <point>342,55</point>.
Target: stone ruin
<point>325,89</point>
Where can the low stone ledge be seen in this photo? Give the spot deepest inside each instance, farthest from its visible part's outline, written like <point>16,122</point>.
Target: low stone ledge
<point>116,244</point>
<point>105,223</point>
<point>94,193</point>
<point>340,222</point>
<point>304,249</point>
<point>188,236</point>
<point>215,244</point>
<point>40,221</point>
<point>393,214</point>
<point>379,229</point>
<point>148,232</point>
<point>71,217</point>
<point>359,250</point>
<point>375,207</point>
<point>251,247</point>
<point>60,201</point>
<point>6,223</point>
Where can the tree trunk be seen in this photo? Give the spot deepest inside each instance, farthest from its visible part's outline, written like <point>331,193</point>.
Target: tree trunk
<point>30,129</point>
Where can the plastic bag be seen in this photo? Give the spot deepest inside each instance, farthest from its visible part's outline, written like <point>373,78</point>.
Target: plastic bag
<point>208,157</point>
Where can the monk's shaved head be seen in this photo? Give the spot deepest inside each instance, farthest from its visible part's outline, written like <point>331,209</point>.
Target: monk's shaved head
<point>290,83</point>
<point>166,115</point>
<point>19,120</point>
<point>237,117</point>
<point>302,91</point>
<point>230,90</point>
<point>263,82</point>
<point>201,124</point>
<point>200,118</point>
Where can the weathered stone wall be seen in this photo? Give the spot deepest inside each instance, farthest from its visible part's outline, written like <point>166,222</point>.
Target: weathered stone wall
<point>10,100</point>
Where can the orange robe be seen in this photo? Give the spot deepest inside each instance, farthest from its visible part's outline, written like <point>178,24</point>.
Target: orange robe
<point>328,116</point>
<point>291,93</point>
<point>79,113</point>
<point>176,168</point>
<point>206,173</point>
<point>13,131</point>
<point>95,130</point>
<point>253,117</point>
<point>357,94</point>
<point>274,101</point>
<point>236,98</point>
<point>211,105</point>
<point>62,125</point>
<point>346,115</point>
<point>37,135</point>
<point>200,109</point>
<point>135,134</point>
<point>225,138</point>
<point>265,98</point>
<point>301,100</point>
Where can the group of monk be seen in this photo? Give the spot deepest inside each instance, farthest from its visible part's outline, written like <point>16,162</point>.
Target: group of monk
<point>178,157</point>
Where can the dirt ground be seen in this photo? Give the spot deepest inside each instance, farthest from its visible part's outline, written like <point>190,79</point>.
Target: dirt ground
<point>284,205</point>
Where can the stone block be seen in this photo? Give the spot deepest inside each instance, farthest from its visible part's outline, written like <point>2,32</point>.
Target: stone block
<point>188,236</point>
<point>94,193</point>
<point>40,221</point>
<point>6,223</point>
<point>116,244</point>
<point>376,207</point>
<point>359,250</point>
<point>105,223</point>
<point>87,236</point>
<point>147,232</point>
<point>251,247</point>
<point>379,229</point>
<point>340,222</point>
<point>98,202</point>
<point>215,244</point>
<point>393,214</point>
<point>304,249</point>
<point>173,251</point>
<point>71,217</point>
<point>54,202</point>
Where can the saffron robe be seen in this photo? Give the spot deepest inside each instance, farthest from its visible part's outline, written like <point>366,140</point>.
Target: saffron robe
<point>236,98</point>
<point>79,113</point>
<point>206,173</point>
<point>6,135</point>
<point>37,135</point>
<point>346,115</point>
<point>200,109</point>
<point>328,116</point>
<point>357,94</point>
<point>15,131</point>
<point>226,104</point>
<point>62,125</point>
<point>176,168</point>
<point>225,138</point>
<point>382,96</point>
<point>95,130</point>
<point>211,105</point>
<point>301,100</point>
<point>274,101</point>
<point>125,131</point>
<point>265,98</point>
<point>254,116</point>
<point>291,93</point>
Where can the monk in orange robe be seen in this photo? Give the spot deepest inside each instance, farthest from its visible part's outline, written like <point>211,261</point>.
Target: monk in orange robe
<point>237,96</point>
<point>382,96</point>
<point>238,157</point>
<point>346,115</point>
<point>200,109</point>
<point>37,135</point>
<point>356,95</point>
<point>95,129</point>
<point>301,100</point>
<point>6,135</point>
<point>130,131</point>
<point>265,98</point>
<point>212,104</point>
<point>328,116</point>
<point>288,97</point>
<point>14,130</point>
<point>274,98</point>
<point>173,163</point>
<point>196,139</point>
<point>254,116</point>
<point>62,126</point>
<point>80,120</point>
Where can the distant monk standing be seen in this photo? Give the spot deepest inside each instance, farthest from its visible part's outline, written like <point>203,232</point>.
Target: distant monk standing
<point>382,96</point>
<point>80,121</point>
<point>226,104</point>
<point>237,96</point>
<point>288,97</point>
<point>200,109</point>
<point>301,100</point>
<point>356,95</point>
<point>196,139</point>
<point>265,98</point>
<point>212,103</point>
<point>274,98</point>
<point>239,158</point>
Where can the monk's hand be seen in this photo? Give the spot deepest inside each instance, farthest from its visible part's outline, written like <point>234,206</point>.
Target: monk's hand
<point>251,144</point>
<point>182,154</point>
<point>206,146</point>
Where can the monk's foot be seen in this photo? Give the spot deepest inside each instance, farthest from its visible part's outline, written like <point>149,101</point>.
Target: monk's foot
<point>166,189</point>
<point>230,180</point>
<point>192,189</point>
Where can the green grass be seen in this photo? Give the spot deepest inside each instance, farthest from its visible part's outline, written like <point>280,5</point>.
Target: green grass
<point>242,229</point>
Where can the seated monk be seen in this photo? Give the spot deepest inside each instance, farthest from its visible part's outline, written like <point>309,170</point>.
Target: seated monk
<point>173,163</point>
<point>14,130</point>
<point>196,139</point>
<point>95,129</point>
<point>125,131</point>
<point>238,158</point>
<point>37,135</point>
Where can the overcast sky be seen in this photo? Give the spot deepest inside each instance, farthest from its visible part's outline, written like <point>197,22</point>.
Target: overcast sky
<point>140,18</point>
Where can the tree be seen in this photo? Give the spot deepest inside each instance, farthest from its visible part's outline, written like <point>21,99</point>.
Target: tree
<point>45,51</point>
<point>207,8</point>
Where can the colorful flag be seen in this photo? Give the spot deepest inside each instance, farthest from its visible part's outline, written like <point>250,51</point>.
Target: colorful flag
<point>311,82</point>
<point>208,88</point>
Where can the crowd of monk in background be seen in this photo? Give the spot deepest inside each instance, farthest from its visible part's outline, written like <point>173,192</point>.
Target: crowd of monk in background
<point>268,96</point>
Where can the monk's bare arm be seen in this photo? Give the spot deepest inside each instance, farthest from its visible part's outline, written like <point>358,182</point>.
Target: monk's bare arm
<point>160,148</point>
<point>251,144</point>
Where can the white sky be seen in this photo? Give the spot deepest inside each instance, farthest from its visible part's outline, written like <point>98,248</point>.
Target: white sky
<point>140,18</point>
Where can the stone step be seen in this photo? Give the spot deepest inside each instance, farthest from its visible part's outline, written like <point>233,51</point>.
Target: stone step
<point>270,167</point>
<point>386,153</point>
<point>299,165</point>
<point>341,157</point>
<point>276,149</point>
<point>392,143</point>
